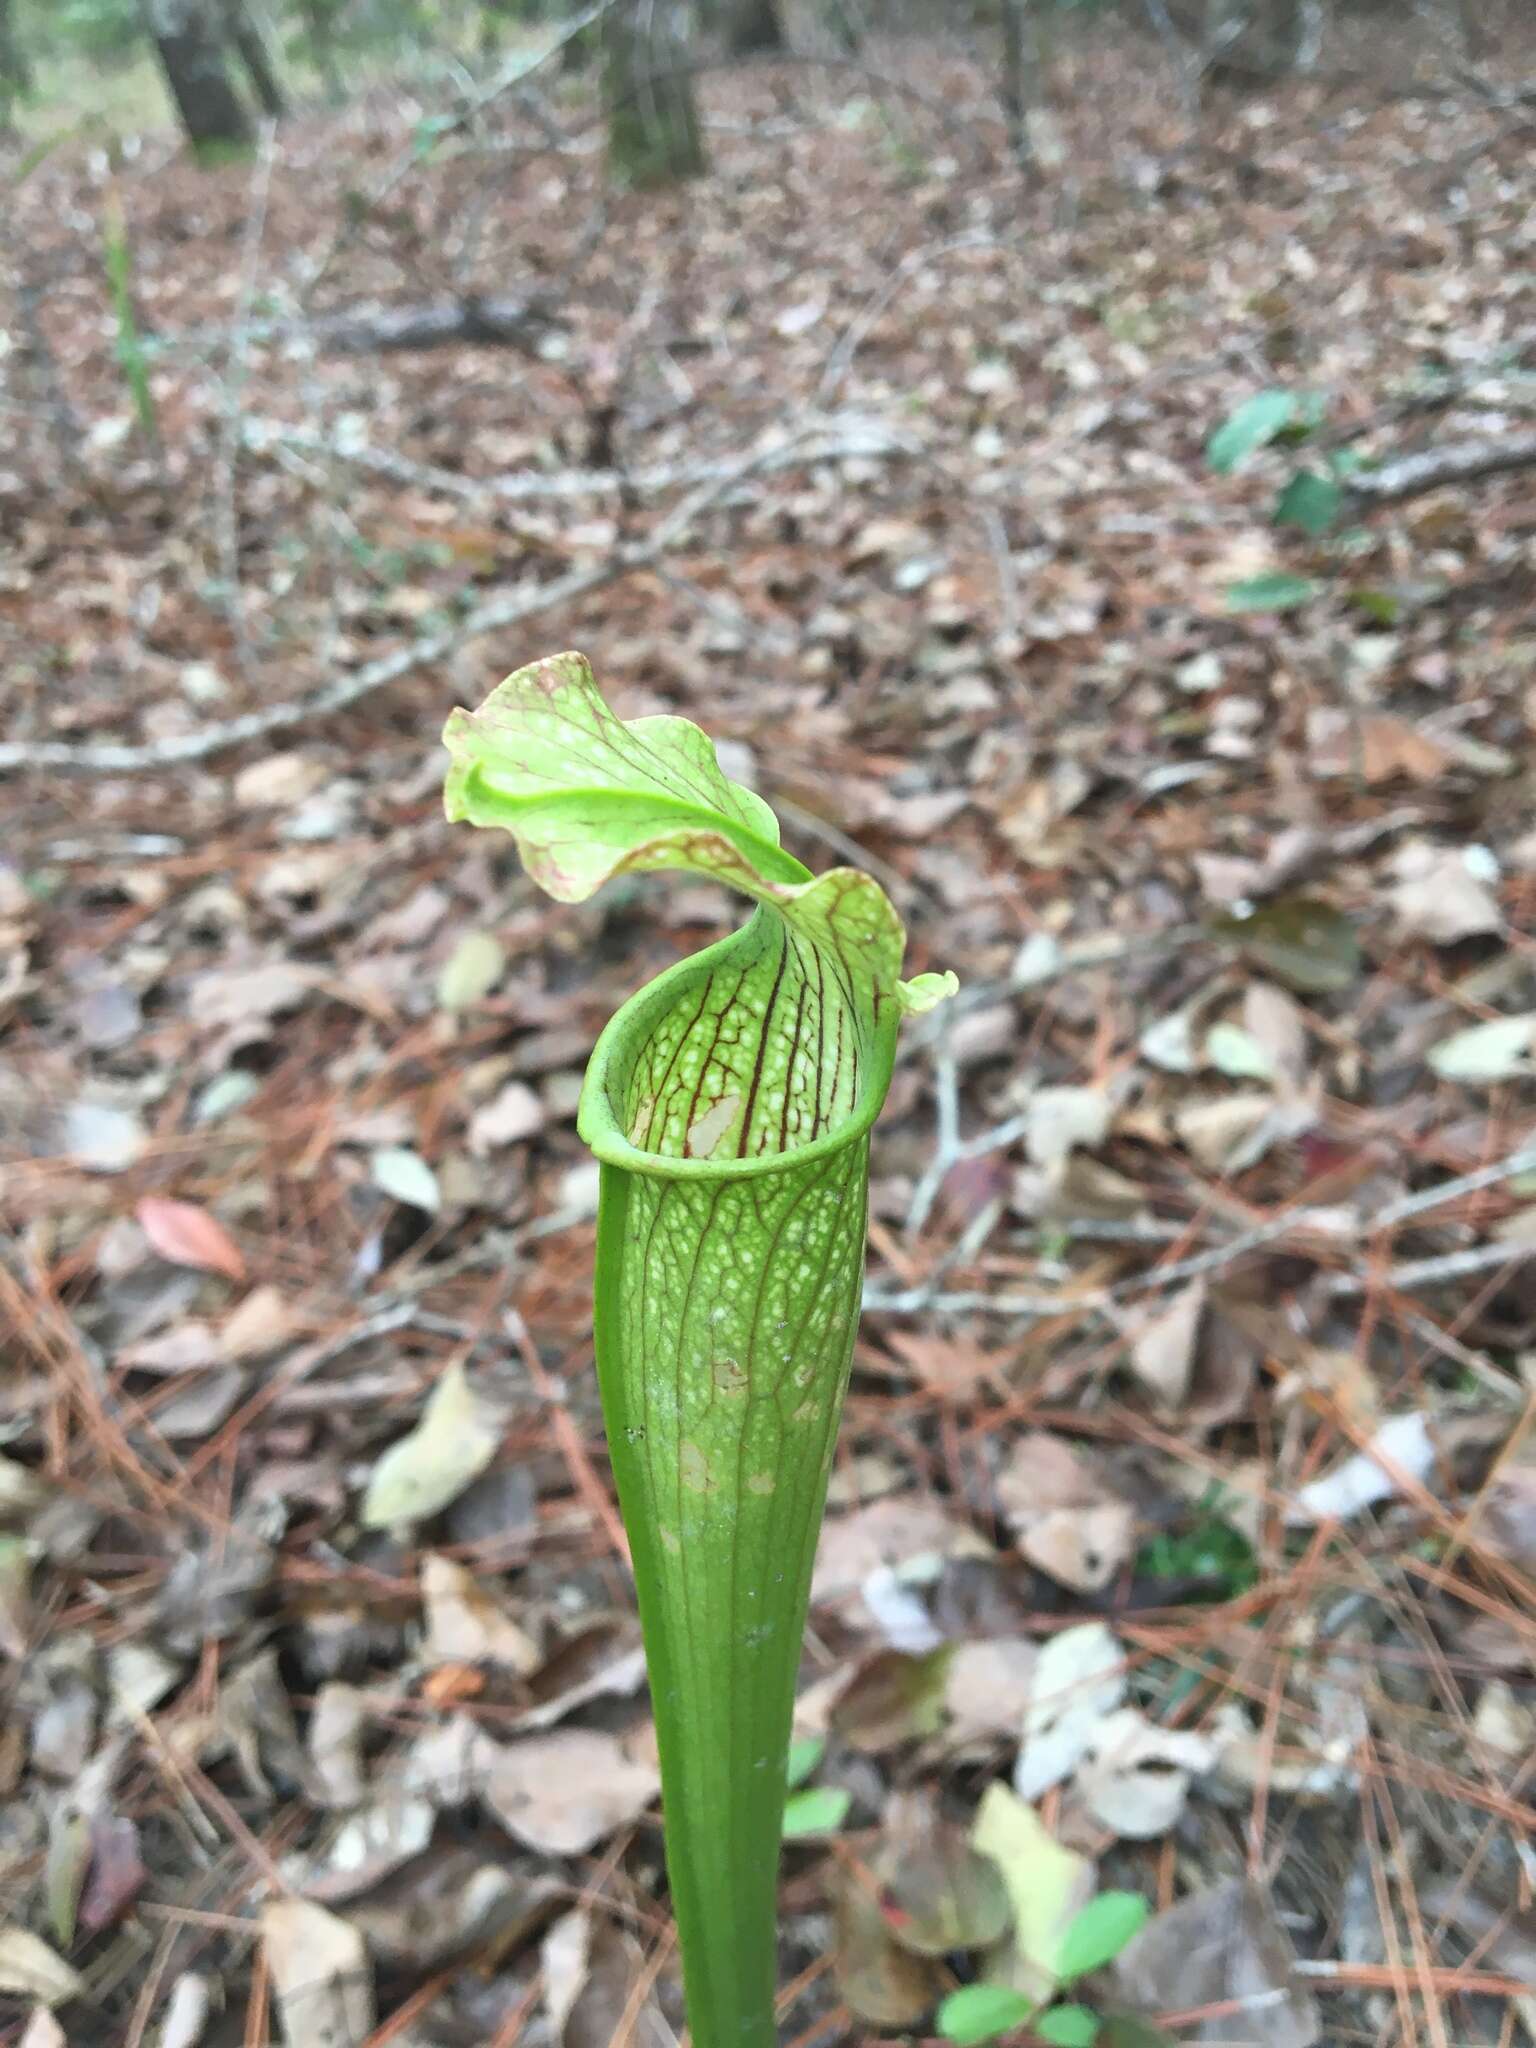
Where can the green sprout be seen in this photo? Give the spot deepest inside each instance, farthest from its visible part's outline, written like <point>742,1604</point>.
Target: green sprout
<point>729,1104</point>
<point>132,357</point>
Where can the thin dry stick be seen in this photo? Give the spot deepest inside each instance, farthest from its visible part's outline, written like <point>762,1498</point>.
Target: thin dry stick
<point>226,499</point>
<point>1462,462</point>
<point>517,72</point>
<point>848,435</point>
<point>492,617</point>
<point>1414,1272</point>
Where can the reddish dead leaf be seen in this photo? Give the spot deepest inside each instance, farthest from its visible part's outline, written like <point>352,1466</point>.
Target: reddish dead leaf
<point>877,1979</point>
<point>937,1892</point>
<point>186,1235</point>
<point>117,1873</point>
<point>450,1683</point>
<point>1377,748</point>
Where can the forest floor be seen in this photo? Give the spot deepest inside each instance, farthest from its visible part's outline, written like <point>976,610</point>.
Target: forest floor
<point>1196,1383</point>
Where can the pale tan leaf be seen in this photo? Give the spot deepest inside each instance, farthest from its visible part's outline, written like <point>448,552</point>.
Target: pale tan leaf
<point>465,1625</point>
<point>986,1689</point>
<point>565,1792</point>
<point>509,1117</point>
<point>1134,1777</point>
<point>1080,1678</point>
<point>1048,1884</point>
<point>261,1324</point>
<point>470,972</point>
<point>452,1444</point>
<point>1069,1520</point>
<point>1163,1347</point>
<point>29,1968</point>
<point>1440,896</point>
<point>322,1980</point>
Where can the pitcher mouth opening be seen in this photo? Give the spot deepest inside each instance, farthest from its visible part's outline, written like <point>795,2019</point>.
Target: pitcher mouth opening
<point>744,1059</point>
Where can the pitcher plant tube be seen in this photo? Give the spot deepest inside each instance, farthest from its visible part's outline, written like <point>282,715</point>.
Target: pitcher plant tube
<point>730,1105</point>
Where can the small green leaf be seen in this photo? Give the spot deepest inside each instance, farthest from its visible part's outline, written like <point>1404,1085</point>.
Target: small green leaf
<point>405,1176</point>
<point>470,972</point>
<point>1068,2026</point>
<point>1100,1931</point>
<point>1309,501</point>
<point>1253,426</point>
<point>1276,592</point>
<point>429,131</point>
<point>1124,2030</point>
<point>1380,605</point>
<point>1305,943</point>
<point>803,1758</point>
<point>818,1810</point>
<point>69,1854</point>
<point>1238,1054</point>
<point>980,2012</point>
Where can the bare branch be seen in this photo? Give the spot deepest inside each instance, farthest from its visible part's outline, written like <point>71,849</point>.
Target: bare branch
<point>836,437</point>
<point>498,322</point>
<point>1318,1225</point>
<point>106,759</point>
<point>67,758</point>
<point>1462,462</point>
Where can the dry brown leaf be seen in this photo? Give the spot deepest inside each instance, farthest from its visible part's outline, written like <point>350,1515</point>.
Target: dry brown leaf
<point>1163,1346</point>
<point>1274,1020</point>
<point>336,1745</point>
<point>508,1118</point>
<point>1064,1120</point>
<point>1070,1521</point>
<point>1215,1947</point>
<point>938,1892</point>
<point>951,1366</point>
<point>370,1845</point>
<point>1438,897</point>
<point>248,997</point>
<point>878,1980</point>
<point>986,1689</point>
<point>1375,747</point>
<point>1506,1524</point>
<point>565,1792</point>
<point>592,1968</point>
<point>258,1326</point>
<point>892,1698</point>
<point>894,1533</point>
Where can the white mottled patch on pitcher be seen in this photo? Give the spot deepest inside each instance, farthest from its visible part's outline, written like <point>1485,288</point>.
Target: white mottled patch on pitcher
<point>705,1132</point>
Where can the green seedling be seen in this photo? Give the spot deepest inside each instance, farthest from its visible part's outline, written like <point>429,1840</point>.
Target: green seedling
<point>131,356</point>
